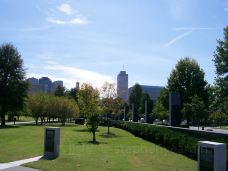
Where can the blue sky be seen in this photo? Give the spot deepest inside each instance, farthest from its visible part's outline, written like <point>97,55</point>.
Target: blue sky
<point>91,40</point>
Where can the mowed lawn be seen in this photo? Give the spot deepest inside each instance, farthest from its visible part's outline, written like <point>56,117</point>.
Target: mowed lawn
<point>121,151</point>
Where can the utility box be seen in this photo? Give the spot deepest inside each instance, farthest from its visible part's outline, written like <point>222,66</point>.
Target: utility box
<point>211,156</point>
<point>51,142</point>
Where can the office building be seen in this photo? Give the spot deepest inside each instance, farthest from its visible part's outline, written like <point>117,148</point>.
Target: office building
<point>45,84</point>
<point>153,91</point>
<point>55,84</point>
<point>122,85</point>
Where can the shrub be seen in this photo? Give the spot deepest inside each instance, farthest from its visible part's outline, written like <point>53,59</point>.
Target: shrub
<point>174,140</point>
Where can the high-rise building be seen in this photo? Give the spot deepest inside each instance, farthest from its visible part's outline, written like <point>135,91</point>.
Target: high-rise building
<point>45,83</point>
<point>55,84</point>
<point>33,81</point>
<point>77,85</point>
<point>122,85</point>
<point>34,86</point>
<point>153,91</point>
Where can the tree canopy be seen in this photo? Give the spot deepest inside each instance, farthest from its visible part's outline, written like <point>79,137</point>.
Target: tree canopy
<point>187,78</point>
<point>48,106</point>
<point>13,87</point>
<point>221,65</point>
<point>88,101</point>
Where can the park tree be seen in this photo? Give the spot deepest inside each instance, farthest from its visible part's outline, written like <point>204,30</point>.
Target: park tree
<point>159,111</point>
<point>135,100</point>
<point>13,87</point>
<point>88,101</point>
<point>221,65</point>
<point>161,106</point>
<point>67,108</point>
<point>45,106</point>
<point>72,94</point>
<point>187,78</point>
<point>110,103</point>
<point>194,110</point>
<point>60,91</point>
<point>36,106</point>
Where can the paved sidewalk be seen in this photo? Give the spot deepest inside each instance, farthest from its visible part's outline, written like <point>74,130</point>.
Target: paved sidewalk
<point>18,163</point>
<point>20,168</point>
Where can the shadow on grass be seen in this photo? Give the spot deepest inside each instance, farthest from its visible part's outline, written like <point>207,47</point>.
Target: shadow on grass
<point>84,130</point>
<point>9,126</point>
<point>48,158</point>
<point>110,135</point>
<point>91,142</point>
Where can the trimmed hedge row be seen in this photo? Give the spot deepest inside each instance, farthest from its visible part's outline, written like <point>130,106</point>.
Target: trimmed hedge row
<point>176,141</point>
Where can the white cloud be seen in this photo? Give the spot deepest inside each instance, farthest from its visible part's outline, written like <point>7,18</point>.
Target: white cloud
<point>71,16</point>
<point>65,8</point>
<point>55,21</point>
<point>76,21</point>
<point>70,75</point>
<point>179,37</point>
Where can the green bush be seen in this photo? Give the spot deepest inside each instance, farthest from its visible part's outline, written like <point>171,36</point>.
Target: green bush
<point>173,140</point>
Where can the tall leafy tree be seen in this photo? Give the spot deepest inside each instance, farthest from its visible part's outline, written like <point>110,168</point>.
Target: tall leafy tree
<point>187,78</point>
<point>13,87</point>
<point>135,99</point>
<point>221,64</point>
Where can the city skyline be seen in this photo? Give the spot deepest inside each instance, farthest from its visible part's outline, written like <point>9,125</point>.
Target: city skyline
<point>90,41</point>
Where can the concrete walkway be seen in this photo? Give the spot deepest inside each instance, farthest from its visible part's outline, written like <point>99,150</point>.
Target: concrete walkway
<point>20,168</point>
<point>18,163</point>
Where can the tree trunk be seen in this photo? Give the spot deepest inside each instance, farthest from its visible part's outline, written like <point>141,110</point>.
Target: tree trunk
<point>94,137</point>
<point>3,119</point>
<point>188,123</point>
<point>108,126</point>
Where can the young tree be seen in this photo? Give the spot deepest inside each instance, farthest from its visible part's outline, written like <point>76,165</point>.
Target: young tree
<point>92,123</point>
<point>110,103</point>
<point>13,87</point>
<point>88,100</point>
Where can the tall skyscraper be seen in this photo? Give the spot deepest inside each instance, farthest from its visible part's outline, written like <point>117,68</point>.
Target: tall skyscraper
<point>45,82</point>
<point>122,85</point>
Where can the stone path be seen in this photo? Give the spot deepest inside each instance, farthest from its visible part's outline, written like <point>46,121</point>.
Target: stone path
<point>18,163</point>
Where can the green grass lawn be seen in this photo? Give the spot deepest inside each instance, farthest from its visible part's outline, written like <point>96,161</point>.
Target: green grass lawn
<point>23,119</point>
<point>121,151</point>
